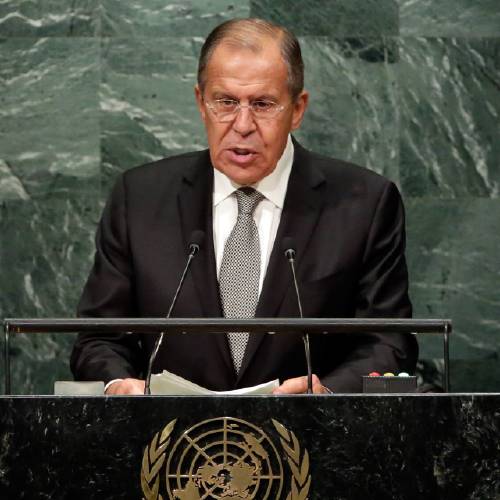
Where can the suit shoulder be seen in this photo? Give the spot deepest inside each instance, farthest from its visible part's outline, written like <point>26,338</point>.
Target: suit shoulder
<point>335,169</point>
<point>342,177</point>
<point>167,169</point>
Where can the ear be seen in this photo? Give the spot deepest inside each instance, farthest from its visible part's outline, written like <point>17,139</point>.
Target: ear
<point>199,102</point>
<point>299,108</point>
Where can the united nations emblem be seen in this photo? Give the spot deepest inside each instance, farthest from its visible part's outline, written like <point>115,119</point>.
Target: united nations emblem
<point>224,458</point>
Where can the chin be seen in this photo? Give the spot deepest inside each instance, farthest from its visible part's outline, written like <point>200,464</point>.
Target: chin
<point>242,176</point>
<point>246,175</point>
<point>243,179</point>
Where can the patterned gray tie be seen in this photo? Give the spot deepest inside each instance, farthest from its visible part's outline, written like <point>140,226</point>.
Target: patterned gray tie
<point>240,270</point>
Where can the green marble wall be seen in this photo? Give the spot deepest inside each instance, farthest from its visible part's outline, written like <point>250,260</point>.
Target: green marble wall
<point>409,88</point>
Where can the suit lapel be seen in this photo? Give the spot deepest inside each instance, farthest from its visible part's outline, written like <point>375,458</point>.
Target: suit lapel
<point>301,211</point>
<point>195,209</point>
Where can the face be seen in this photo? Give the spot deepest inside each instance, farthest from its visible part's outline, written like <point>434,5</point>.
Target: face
<point>246,149</point>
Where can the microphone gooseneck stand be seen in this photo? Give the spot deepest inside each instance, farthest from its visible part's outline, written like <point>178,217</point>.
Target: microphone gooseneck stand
<point>288,245</point>
<point>194,247</point>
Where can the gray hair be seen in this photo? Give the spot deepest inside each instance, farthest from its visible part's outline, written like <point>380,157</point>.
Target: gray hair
<point>248,33</point>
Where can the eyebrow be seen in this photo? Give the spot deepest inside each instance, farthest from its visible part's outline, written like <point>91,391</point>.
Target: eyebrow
<point>219,94</point>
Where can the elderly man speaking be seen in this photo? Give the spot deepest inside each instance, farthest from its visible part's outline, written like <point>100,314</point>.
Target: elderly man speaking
<point>253,187</point>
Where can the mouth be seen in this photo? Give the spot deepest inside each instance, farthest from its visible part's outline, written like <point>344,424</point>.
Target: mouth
<point>241,155</point>
<point>242,151</point>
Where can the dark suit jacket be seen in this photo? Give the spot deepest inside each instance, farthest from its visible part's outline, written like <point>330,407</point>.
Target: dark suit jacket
<point>348,226</point>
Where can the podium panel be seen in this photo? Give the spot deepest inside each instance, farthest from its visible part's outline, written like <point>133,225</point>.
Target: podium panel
<point>189,448</point>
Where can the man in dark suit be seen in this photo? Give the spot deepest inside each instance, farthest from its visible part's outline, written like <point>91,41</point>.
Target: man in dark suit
<point>347,224</point>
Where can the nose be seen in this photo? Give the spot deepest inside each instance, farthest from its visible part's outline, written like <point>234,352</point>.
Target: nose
<point>244,123</point>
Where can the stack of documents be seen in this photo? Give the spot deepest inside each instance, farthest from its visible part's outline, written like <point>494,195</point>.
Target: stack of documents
<point>169,384</point>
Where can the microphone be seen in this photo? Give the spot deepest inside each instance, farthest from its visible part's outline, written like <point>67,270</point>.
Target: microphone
<point>288,246</point>
<point>196,240</point>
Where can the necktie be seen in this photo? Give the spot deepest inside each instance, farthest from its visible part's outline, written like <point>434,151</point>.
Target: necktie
<point>240,270</point>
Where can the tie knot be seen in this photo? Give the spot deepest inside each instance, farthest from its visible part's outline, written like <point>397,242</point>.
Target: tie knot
<point>247,198</point>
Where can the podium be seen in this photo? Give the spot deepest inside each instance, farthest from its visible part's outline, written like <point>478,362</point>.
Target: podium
<point>269,447</point>
<point>326,447</point>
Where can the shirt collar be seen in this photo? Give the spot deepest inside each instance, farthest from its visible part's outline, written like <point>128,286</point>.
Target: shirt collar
<point>273,186</point>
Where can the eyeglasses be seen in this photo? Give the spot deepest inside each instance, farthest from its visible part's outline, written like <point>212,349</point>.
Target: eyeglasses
<point>226,110</point>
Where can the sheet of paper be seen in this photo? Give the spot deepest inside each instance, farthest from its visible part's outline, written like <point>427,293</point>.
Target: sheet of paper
<point>169,384</point>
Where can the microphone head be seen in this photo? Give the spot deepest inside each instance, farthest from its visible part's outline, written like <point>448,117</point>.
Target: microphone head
<point>196,240</point>
<point>288,247</point>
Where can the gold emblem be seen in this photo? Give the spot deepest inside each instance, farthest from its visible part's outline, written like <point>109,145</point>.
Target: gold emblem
<point>224,458</point>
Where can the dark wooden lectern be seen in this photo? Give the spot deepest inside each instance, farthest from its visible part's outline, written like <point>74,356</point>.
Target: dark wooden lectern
<point>318,447</point>
<point>400,446</point>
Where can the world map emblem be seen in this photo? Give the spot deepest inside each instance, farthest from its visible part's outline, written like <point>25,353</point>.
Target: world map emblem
<point>225,458</point>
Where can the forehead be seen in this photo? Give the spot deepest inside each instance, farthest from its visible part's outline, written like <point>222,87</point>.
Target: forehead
<point>240,69</point>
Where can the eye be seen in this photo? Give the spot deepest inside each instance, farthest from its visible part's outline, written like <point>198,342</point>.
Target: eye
<point>263,106</point>
<point>226,104</point>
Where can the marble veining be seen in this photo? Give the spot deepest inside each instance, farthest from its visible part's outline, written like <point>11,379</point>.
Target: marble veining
<point>449,18</point>
<point>49,142</point>
<point>29,18</point>
<point>449,117</point>
<point>338,18</point>
<point>353,109</point>
<point>167,17</point>
<point>454,269</point>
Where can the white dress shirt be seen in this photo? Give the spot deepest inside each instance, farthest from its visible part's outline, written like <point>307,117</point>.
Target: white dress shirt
<point>267,214</point>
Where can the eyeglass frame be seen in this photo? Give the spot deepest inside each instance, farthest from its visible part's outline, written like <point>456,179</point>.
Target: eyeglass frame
<point>239,107</point>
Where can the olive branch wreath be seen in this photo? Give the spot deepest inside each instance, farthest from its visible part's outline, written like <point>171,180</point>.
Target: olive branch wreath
<point>154,458</point>
<point>301,479</point>
<point>152,462</point>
